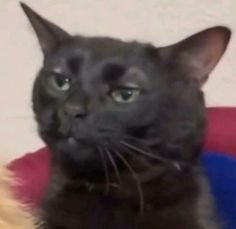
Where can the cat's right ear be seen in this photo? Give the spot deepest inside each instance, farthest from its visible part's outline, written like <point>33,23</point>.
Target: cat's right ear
<point>198,54</point>
<point>49,35</point>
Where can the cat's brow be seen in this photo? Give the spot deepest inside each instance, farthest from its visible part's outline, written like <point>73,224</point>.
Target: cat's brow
<point>113,71</point>
<point>73,64</point>
<point>57,70</point>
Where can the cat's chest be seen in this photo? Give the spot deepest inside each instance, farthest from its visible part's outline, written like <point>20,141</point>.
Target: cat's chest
<point>89,213</point>
<point>82,208</point>
<point>112,211</point>
<point>85,210</point>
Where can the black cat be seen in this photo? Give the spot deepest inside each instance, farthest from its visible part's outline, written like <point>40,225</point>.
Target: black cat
<point>125,123</point>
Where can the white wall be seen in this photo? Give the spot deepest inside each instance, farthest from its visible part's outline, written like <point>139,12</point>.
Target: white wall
<point>158,21</point>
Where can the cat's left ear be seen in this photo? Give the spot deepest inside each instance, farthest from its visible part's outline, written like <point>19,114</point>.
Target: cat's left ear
<point>49,35</point>
<point>199,54</point>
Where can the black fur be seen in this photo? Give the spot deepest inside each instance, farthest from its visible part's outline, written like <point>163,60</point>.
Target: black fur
<point>131,165</point>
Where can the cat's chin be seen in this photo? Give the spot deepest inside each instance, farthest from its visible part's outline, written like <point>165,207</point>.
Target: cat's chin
<point>84,158</point>
<point>78,158</point>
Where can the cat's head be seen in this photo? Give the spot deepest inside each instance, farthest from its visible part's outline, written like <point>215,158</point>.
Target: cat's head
<point>98,95</point>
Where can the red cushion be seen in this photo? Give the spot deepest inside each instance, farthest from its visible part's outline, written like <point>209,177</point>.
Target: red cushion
<point>33,169</point>
<point>32,173</point>
<point>221,131</point>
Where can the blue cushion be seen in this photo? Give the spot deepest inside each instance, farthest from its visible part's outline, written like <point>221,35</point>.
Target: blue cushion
<point>221,171</point>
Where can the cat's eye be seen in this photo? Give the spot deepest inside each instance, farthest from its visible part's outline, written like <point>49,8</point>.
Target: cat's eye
<point>125,95</point>
<point>61,82</point>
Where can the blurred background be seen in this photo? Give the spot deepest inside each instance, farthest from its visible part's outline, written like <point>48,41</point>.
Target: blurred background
<point>161,22</point>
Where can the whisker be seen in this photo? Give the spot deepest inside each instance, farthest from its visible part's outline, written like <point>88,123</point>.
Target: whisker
<point>106,171</point>
<point>148,142</point>
<point>141,151</point>
<point>134,174</point>
<point>135,156</point>
<point>177,165</point>
<point>114,165</point>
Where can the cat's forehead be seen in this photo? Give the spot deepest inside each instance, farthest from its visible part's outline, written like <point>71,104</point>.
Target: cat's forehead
<point>103,47</point>
<point>96,51</point>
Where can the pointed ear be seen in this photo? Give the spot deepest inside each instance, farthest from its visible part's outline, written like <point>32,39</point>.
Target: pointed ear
<point>198,55</point>
<point>49,35</point>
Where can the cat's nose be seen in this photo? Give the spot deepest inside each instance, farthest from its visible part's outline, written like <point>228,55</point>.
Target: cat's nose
<point>75,110</point>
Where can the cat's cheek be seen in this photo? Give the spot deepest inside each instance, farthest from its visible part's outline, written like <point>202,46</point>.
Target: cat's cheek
<point>139,118</point>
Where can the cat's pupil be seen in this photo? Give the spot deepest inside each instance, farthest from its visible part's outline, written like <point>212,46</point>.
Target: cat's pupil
<point>126,94</point>
<point>62,82</point>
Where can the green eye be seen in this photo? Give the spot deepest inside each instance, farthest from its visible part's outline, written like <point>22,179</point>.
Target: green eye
<point>61,82</point>
<point>125,95</point>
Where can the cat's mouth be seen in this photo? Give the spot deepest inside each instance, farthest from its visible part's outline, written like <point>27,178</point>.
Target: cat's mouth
<point>85,132</point>
<point>98,149</point>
